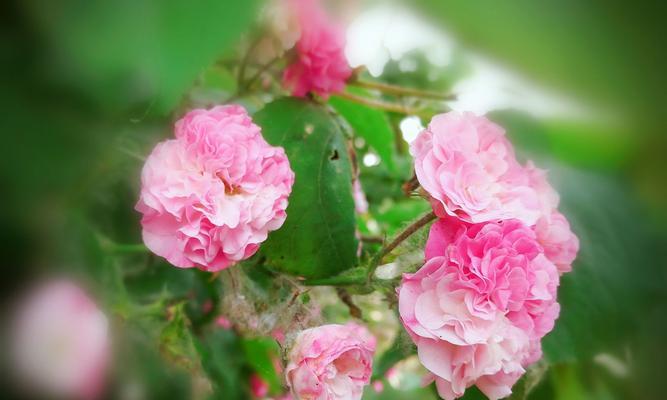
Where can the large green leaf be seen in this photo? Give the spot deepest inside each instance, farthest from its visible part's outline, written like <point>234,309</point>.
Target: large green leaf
<point>613,280</point>
<point>317,239</point>
<point>129,52</point>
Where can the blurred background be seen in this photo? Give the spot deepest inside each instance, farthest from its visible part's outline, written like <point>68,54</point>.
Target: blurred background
<point>89,87</point>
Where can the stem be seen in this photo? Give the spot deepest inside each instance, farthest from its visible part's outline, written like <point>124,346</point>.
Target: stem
<point>345,297</point>
<point>412,228</point>
<point>403,91</point>
<point>244,62</point>
<point>372,239</point>
<point>411,185</point>
<point>259,73</point>
<point>383,105</point>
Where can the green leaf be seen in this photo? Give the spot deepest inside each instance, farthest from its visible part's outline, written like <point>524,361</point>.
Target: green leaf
<point>260,354</point>
<point>127,52</point>
<point>614,273</point>
<point>176,341</point>
<point>223,362</point>
<point>318,237</point>
<point>370,124</point>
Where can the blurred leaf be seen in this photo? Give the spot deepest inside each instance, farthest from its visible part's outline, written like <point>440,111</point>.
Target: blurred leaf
<point>222,360</point>
<point>129,51</point>
<point>400,349</point>
<point>614,273</point>
<point>317,239</point>
<point>176,341</point>
<point>261,354</point>
<point>580,144</point>
<point>571,45</point>
<point>370,124</point>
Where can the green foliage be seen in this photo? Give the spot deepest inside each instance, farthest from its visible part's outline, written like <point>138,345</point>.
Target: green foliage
<point>131,52</point>
<point>370,124</point>
<point>262,354</point>
<point>317,239</point>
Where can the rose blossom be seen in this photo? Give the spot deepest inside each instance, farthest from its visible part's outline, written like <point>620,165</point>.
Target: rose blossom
<point>258,386</point>
<point>331,362</point>
<point>210,196</point>
<point>480,304</point>
<point>552,228</point>
<point>60,342</point>
<point>320,65</point>
<point>468,167</point>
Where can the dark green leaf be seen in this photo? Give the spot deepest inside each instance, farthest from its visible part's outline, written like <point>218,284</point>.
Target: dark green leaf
<point>317,239</point>
<point>140,51</point>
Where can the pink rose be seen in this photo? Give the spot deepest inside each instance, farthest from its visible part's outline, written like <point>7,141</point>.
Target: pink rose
<point>480,304</point>
<point>258,386</point>
<point>553,231</point>
<point>331,362</point>
<point>320,65</point>
<point>60,342</point>
<point>468,168</point>
<point>211,196</point>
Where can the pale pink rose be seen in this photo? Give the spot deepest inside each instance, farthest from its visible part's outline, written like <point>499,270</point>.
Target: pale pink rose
<point>320,65</point>
<point>560,244</point>
<point>211,196</point>
<point>258,386</point>
<point>331,362</point>
<point>553,231</point>
<point>480,304</point>
<point>60,343</point>
<point>468,167</point>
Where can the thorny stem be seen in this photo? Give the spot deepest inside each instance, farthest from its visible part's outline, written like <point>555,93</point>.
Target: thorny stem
<point>345,297</point>
<point>393,107</point>
<point>402,91</point>
<point>412,228</point>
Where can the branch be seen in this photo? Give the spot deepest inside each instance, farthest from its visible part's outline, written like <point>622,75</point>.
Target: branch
<point>345,297</point>
<point>379,104</point>
<point>411,229</point>
<point>403,91</point>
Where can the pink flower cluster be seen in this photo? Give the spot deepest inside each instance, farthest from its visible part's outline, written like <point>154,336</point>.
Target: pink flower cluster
<point>210,196</point>
<point>486,295</point>
<point>320,65</point>
<point>60,343</point>
<point>331,362</point>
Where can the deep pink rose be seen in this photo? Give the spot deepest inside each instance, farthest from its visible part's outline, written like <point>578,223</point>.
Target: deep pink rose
<point>480,304</point>
<point>258,386</point>
<point>331,362</point>
<point>468,167</point>
<point>553,231</point>
<point>211,196</point>
<point>60,343</point>
<point>320,65</point>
